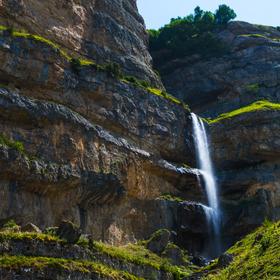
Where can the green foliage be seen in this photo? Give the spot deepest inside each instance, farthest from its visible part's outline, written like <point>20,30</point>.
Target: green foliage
<point>224,14</point>
<point>257,106</point>
<point>17,145</point>
<point>257,256</point>
<point>10,224</point>
<point>39,263</point>
<point>193,34</point>
<point>51,231</point>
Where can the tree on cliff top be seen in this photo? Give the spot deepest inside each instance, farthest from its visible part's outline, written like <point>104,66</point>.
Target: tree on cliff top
<point>193,34</point>
<point>224,14</point>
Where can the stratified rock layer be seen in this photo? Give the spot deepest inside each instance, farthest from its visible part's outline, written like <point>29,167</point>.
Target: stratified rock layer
<point>106,31</point>
<point>97,151</point>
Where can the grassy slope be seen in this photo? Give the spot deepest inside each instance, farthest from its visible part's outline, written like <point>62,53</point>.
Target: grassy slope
<point>131,253</point>
<point>39,263</point>
<point>256,106</point>
<point>138,254</point>
<point>257,256</point>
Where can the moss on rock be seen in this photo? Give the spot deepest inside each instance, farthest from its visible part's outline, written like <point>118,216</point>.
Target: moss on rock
<point>263,105</point>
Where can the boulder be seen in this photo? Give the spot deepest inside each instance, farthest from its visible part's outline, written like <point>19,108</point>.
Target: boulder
<point>225,260</point>
<point>159,241</point>
<point>69,231</point>
<point>175,254</point>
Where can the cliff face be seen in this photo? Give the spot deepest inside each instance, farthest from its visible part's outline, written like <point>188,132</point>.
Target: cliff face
<point>106,31</point>
<point>215,85</point>
<point>81,144</point>
<point>245,143</point>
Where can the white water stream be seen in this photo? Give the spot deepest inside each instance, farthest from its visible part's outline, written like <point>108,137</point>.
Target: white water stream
<point>206,169</point>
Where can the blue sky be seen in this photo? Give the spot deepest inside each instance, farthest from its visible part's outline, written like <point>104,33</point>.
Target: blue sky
<point>158,12</point>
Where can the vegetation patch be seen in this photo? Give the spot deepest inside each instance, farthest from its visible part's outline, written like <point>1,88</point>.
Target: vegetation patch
<point>138,254</point>
<point>192,34</point>
<point>170,197</point>
<point>257,256</point>
<point>9,234</point>
<point>39,263</point>
<point>256,106</point>
<point>17,145</point>
<point>259,36</point>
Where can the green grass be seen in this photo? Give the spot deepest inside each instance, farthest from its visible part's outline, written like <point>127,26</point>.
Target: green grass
<point>170,197</point>
<point>78,63</point>
<point>17,145</point>
<point>257,106</point>
<point>255,35</point>
<point>257,256</point>
<point>39,263</point>
<point>138,254</point>
<point>7,234</point>
<point>131,253</point>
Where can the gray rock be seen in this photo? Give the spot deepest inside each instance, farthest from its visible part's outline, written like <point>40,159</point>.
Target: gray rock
<point>158,241</point>
<point>68,231</point>
<point>225,260</point>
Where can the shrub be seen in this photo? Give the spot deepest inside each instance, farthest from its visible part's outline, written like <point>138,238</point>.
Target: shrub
<point>10,224</point>
<point>224,14</point>
<point>193,34</point>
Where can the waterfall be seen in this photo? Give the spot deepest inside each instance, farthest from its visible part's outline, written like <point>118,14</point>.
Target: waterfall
<point>206,168</point>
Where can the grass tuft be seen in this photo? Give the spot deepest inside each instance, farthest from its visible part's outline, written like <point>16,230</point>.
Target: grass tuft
<point>257,106</point>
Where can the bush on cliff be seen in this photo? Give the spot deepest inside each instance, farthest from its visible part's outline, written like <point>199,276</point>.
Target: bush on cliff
<point>193,34</point>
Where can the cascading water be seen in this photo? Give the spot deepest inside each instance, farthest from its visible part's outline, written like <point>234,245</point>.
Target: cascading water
<point>206,168</point>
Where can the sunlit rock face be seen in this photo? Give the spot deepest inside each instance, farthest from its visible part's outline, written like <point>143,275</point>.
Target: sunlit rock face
<point>97,151</point>
<point>106,31</point>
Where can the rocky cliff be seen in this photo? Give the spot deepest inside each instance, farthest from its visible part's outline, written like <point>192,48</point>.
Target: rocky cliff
<point>113,152</point>
<point>239,93</point>
<point>102,30</point>
<point>79,143</point>
<point>247,73</point>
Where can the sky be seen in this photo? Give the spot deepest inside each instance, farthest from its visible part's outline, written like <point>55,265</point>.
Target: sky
<point>159,12</point>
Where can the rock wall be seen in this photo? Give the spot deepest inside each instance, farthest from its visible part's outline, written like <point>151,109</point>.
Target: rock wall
<point>97,150</point>
<point>245,147</point>
<point>249,72</point>
<point>246,153</point>
<point>106,31</point>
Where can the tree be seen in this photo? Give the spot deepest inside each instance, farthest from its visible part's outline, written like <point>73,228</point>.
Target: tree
<point>224,14</point>
<point>198,13</point>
